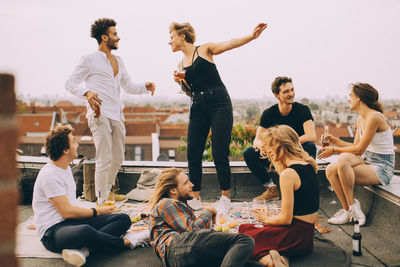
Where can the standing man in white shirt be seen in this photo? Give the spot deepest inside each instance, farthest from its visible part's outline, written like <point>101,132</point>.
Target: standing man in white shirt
<point>104,74</point>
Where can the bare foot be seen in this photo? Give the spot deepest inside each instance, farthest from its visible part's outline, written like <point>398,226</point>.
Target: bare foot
<point>266,261</point>
<point>278,260</point>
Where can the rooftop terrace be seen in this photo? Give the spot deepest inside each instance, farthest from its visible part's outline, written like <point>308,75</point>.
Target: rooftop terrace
<point>381,204</point>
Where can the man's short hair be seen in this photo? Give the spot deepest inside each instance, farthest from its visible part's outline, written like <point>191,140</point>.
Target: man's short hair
<point>57,141</point>
<point>100,27</point>
<point>278,82</point>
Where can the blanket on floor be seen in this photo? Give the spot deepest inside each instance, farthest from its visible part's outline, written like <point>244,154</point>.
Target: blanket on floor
<point>29,245</point>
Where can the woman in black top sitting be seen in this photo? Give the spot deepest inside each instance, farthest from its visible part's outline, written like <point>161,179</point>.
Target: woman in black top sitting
<point>211,105</point>
<point>291,232</point>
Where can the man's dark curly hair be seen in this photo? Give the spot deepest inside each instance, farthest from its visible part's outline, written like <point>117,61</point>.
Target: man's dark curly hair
<point>100,27</point>
<point>57,141</point>
<point>278,82</point>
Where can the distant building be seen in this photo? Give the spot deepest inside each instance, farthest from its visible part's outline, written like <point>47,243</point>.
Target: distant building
<point>140,123</point>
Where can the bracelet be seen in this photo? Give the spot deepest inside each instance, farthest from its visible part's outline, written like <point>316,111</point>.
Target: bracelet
<point>94,212</point>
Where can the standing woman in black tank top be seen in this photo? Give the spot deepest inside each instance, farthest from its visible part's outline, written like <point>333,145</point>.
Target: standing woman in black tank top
<point>211,105</point>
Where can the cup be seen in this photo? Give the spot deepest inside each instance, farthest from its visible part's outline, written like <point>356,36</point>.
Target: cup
<point>260,204</point>
<point>181,75</point>
<point>110,201</point>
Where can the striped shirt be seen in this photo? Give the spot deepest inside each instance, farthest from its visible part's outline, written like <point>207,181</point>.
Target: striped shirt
<point>171,217</point>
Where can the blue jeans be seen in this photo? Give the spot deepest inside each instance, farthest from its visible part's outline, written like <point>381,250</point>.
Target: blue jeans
<point>100,233</point>
<point>210,109</point>
<point>383,165</point>
<point>260,166</point>
<point>210,248</point>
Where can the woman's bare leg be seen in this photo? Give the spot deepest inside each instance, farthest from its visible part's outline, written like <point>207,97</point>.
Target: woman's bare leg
<point>345,166</point>
<point>333,178</point>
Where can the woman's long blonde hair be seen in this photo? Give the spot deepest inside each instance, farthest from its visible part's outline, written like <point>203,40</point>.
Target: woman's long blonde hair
<point>164,184</point>
<point>283,142</point>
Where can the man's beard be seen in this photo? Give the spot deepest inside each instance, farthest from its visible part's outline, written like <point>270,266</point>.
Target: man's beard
<point>112,46</point>
<point>185,198</point>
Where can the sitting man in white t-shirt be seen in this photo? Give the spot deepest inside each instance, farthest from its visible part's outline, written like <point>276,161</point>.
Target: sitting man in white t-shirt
<point>61,225</point>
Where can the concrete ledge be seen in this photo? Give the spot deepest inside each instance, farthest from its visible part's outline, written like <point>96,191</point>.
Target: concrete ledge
<point>242,180</point>
<point>390,192</point>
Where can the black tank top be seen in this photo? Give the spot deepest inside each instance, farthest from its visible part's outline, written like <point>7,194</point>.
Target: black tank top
<point>202,74</point>
<point>306,198</point>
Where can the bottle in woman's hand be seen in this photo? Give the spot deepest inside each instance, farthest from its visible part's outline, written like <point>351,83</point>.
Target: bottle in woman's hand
<point>325,140</point>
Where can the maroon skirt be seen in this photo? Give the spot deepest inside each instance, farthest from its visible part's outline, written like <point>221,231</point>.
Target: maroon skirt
<point>291,240</point>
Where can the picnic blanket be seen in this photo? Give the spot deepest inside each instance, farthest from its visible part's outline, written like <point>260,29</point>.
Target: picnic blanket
<point>29,245</point>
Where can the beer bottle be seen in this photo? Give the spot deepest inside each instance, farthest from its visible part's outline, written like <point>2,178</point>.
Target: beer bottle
<point>325,141</point>
<point>357,240</point>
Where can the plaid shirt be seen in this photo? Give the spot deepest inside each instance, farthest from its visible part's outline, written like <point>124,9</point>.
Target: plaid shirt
<point>170,218</point>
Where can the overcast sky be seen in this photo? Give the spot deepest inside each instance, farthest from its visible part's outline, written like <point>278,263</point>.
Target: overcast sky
<point>322,45</point>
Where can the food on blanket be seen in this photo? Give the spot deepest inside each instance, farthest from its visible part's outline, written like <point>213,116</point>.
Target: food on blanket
<point>226,229</point>
<point>109,203</point>
<point>136,218</point>
<point>222,220</point>
<point>233,224</point>
<point>31,227</point>
<point>218,228</point>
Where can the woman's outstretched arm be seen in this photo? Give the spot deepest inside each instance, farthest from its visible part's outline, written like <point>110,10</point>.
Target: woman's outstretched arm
<point>218,48</point>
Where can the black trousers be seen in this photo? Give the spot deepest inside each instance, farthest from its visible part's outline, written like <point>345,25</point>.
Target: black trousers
<point>260,166</point>
<point>210,248</point>
<point>100,233</point>
<point>210,109</point>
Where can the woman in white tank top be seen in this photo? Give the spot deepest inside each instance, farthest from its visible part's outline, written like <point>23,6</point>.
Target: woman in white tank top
<point>369,160</point>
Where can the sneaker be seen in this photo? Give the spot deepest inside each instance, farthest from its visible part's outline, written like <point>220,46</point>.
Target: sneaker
<point>340,217</point>
<point>223,205</point>
<point>116,197</point>
<point>356,213</point>
<point>138,239</point>
<point>195,203</point>
<point>270,193</point>
<point>76,257</point>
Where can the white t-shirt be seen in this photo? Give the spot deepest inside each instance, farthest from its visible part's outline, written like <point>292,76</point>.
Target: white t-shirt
<point>51,181</point>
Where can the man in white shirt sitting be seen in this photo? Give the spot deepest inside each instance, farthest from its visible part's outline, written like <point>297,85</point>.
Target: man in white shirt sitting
<point>61,225</point>
<point>104,74</point>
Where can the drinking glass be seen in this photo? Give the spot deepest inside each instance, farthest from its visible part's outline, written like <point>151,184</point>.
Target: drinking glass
<point>260,205</point>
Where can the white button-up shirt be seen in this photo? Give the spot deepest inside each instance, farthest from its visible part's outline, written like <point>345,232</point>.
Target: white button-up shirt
<point>97,73</point>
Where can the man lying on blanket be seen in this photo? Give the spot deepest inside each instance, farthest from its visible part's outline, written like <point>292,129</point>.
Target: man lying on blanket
<point>62,226</point>
<point>179,238</point>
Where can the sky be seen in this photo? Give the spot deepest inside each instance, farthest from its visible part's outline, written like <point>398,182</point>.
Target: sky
<point>322,45</point>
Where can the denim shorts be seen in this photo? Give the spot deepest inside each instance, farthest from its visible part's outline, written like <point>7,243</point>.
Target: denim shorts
<point>383,165</point>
